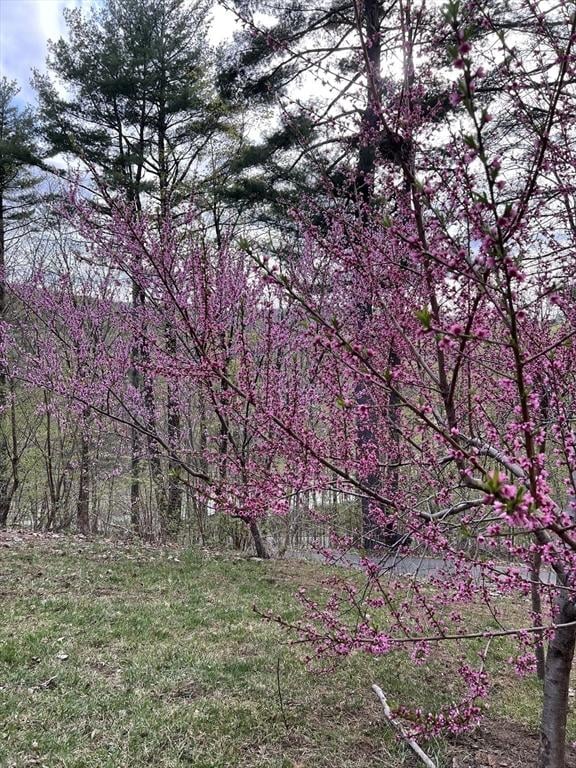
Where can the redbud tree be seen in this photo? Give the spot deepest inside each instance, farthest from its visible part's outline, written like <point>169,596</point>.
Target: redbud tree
<point>467,351</point>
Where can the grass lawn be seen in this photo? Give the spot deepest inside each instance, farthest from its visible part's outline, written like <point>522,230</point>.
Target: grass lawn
<point>115,656</point>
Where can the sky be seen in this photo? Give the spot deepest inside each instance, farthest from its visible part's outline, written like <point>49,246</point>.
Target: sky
<point>27,25</point>
<point>25,28</point>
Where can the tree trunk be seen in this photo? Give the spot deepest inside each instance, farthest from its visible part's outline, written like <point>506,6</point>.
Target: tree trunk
<point>173,503</point>
<point>135,481</point>
<point>556,685</point>
<point>261,550</point>
<point>4,510</point>
<point>173,511</point>
<point>83,507</point>
<point>145,385</point>
<point>6,461</point>
<point>7,485</point>
<point>370,126</point>
<point>135,437</point>
<point>366,427</point>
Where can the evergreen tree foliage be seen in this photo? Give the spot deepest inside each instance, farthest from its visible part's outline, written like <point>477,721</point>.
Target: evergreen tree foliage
<point>18,155</point>
<point>129,94</point>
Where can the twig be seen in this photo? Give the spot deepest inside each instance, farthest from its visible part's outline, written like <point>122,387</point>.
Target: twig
<point>400,730</point>
<point>279,689</point>
<point>486,633</point>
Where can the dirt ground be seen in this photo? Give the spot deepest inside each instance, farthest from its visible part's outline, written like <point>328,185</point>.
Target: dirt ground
<point>499,744</point>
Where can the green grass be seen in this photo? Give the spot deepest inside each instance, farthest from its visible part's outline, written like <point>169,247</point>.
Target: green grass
<point>114,656</point>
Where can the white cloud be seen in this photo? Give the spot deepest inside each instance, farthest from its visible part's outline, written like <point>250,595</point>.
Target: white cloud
<point>27,25</point>
<point>49,20</point>
<point>25,28</point>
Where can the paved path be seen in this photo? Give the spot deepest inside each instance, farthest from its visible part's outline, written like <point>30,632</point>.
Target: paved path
<point>405,564</point>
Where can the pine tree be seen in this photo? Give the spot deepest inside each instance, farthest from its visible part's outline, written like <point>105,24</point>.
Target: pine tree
<point>138,107</point>
<point>320,67</point>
